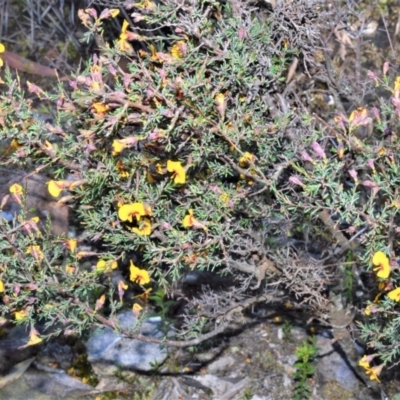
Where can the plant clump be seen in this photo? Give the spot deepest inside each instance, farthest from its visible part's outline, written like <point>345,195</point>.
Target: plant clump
<point>181,155</point>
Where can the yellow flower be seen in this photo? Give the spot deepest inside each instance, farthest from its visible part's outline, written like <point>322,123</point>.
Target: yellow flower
<point>56,187</point>
<point>146,5</point>
<point>178,50</point>
<point>71,245</point>
<point>1,286</point>
<point>179,172</point>
<point>140,276</point>
<point>394,294</point>
<point>16,189</point>
<point>396,89</point>
<point>69,269</point>
<point>20,315</point>
<point>104,266</point>
<point>144,227</point>
<point>122,171</point>
<point>246,159</point>
<point>2,50</point>
<point>382,263</point>
<point>128,211</point>
<point>364,362</point>
<point>189,220</point>
<point>36,253</point>
<point>368,309</point>
<point>136,309</point>
<point>374,372</point>
<point>120,144</point>
<point>34,338</point>
<point>100,108</point>
<point>118,147</point>
<point>145,295</point>
<point>122,43</point>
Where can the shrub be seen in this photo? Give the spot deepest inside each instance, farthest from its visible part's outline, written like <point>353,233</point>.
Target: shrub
<point>184,156</point>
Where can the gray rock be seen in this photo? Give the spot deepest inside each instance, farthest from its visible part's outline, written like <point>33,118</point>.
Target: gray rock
<point>337,363</point>
<point>109,351</point>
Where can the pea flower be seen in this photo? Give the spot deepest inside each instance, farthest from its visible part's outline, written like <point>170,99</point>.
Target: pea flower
<point>103,265</point>
<point>394,294</point>
<point>119,145</point>
<point>100,108</point>
<point>137,275</point>
<point>246,159</point>
<point>179,173</point>
<point>71,245</point>
<point>122,43</point>
<point>122,286</point>
<point>56,187</point>
<point>34,338</point>
<point>365,360</point>
<point>36,253</point>
<point>220,100</point>
<point>20,315</point>
<point>100,302</point>
<point>136,309</point>
<point>128,211</point>
<point>381,262</point>
<point>374,372</point>
<point>359,117</point>
<point>179,49</point>
<point>16,189</point>
<point>189,221</point>
<point>144,227</point>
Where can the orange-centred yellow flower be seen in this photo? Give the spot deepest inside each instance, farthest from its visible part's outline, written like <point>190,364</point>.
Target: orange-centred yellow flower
<point>179,173</point>
<point>374,372</point>
<point>127,211</point>
<point>381,262</point>
<point>394,294</point>
<point>137,275</point>
<point>144,228</point>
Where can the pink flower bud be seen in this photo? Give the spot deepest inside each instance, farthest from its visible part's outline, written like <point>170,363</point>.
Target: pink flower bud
<point>371,164</point>
<point>296,181</point>
<point>386,66</point>
<point>318,150</point>
<point>306,157</point>
<point>353,174</point>
<point>372,75</point>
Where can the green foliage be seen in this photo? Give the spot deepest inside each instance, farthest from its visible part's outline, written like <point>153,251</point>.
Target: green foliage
<point>305,369</point>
